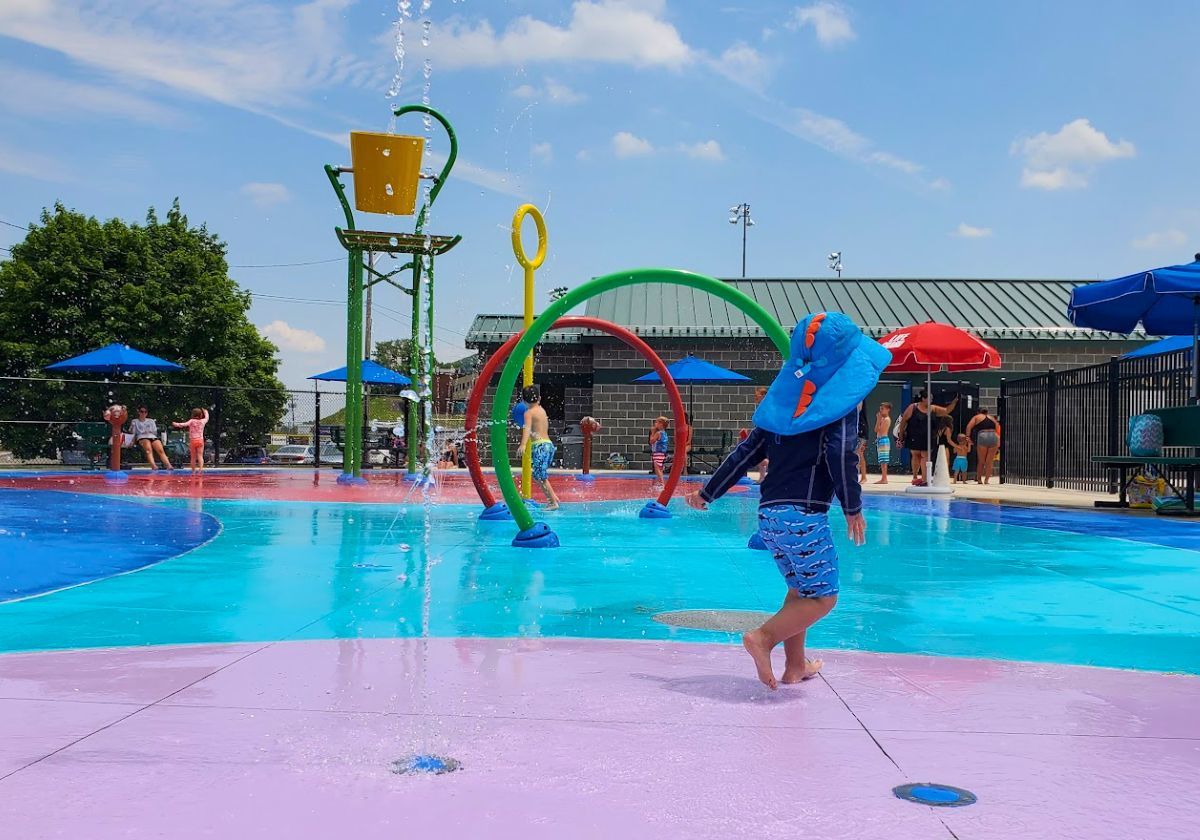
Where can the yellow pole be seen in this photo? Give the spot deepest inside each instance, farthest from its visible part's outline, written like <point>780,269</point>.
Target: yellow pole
<point>530,266</point>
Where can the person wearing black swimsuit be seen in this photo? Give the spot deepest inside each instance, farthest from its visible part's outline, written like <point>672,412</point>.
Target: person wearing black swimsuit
<point>914,432</point>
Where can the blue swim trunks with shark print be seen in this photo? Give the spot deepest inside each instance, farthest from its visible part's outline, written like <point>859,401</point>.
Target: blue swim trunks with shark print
<point>802,545</point>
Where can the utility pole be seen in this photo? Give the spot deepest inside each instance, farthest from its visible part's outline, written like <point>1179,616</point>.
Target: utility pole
<point>741,213</point>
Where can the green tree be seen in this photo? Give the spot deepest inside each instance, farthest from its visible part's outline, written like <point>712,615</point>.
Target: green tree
<point>76,283</point>
<point>395,353</point>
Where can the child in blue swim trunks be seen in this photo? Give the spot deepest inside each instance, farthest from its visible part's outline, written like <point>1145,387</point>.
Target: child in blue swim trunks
<point>807,427</point>
<point>536,433</point>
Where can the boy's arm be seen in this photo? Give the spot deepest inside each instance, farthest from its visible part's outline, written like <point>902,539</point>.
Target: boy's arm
<point>526,428</point>
<point>748,453</point>
<point>841,438</point>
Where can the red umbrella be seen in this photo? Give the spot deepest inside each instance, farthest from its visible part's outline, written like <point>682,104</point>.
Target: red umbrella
<point>932,346</point>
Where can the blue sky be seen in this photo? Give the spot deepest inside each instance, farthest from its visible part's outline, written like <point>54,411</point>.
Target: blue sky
<point>933,139</point>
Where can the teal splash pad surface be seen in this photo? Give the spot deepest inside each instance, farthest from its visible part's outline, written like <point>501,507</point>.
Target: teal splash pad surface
<point>926,582</point>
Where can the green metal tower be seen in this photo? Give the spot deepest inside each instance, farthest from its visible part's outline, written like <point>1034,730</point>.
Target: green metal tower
<point>386,171</point>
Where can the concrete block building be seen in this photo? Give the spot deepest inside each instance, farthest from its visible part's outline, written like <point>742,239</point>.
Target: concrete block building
<point>584,372</point>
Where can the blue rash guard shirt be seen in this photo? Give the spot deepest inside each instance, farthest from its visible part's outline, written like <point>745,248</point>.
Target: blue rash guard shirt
<point>807,469</point>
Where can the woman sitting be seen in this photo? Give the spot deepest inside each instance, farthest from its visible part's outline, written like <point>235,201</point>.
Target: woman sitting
<point>145,435</point>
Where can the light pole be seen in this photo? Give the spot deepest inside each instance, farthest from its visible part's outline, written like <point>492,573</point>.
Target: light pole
<point>741,213</point>
<point>835,262</point>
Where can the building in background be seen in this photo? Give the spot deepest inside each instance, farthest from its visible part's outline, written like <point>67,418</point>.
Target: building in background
<point>582,372</point>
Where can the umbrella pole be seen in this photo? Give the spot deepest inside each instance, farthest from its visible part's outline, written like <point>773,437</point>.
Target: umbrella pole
<point>929,455</point>
<point>1196,350</point>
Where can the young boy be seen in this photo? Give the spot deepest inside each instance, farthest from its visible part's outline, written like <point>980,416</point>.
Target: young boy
<point>961,447</point>
<point>536,433</point>
<point>659,443</point>
<point>883,439</point>
<point>808,427</point>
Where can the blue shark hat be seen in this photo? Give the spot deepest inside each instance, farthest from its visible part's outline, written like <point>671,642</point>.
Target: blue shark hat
<point>830,370</point>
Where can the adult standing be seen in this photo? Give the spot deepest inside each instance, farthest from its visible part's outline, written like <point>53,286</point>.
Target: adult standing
<point>913,432</point>
<point>984,430</point>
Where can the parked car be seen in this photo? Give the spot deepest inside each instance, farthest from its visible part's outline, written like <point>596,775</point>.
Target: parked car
<point>293,454</point>
<point>331,456</point>
<point>248,455</point>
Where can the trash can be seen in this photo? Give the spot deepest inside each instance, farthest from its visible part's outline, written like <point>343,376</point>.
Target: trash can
<point>570,446</point>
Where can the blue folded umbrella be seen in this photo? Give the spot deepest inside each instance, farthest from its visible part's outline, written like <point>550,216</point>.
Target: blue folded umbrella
<point>114,359</point>
<point>373,373</point>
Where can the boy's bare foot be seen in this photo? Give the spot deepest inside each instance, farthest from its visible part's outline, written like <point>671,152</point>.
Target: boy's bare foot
<point>760,651</point>
<point>551,506</point>
<point>882,481</point>
<point>807,671</point>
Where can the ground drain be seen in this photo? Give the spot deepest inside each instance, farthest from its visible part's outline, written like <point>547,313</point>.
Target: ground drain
<point>432,765</point>
<point>938,796</point>
<point>725,621</point>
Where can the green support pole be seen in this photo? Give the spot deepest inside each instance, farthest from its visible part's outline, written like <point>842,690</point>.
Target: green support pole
<point>508,378</point>
<point>413,432</point>
<point>352,459</point>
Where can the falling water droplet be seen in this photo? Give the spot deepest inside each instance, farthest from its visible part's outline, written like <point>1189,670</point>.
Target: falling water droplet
<point>425,25</point>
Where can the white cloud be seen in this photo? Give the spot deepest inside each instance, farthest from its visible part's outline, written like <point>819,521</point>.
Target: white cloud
<point>627,145</point>
<point>30,164</point>
<point>830,22</point>
<point>265,194</point>
<point>743,65</point>
<point>555,93</point>
<point>706,150</point>
<point>583,155</point>
<point>287,337</point>
<point>611,31</point>
<point>543,151</point>
<point>1065,159</point>
<point>966,231</point>
<point>1171,238</point>
<point>835,136</point>
<point>263,58</point>
<point>43,95</point>
<point>940,184</point>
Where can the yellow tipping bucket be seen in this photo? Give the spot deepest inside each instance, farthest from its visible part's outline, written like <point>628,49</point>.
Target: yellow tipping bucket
<point>387,169</point>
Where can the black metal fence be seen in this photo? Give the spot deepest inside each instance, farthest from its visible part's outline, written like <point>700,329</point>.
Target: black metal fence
<point>1055,422</point>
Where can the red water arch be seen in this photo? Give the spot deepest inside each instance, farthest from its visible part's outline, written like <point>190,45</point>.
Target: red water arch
<point>489,370</point>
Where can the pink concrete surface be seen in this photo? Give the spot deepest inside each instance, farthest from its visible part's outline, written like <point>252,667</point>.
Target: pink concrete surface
<point>582,738</point>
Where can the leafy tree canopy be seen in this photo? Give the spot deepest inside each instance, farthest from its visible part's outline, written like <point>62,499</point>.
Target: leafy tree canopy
<point>76,283</point>
<point>395,354</point>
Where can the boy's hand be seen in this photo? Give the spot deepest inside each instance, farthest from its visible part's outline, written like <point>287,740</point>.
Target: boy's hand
<point>521,451</point>
<point>856,528</point>
<point>694,500</point>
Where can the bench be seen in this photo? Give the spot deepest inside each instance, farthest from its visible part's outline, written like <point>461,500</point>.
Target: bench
<point>709,448</point>
<point>1181,429</point>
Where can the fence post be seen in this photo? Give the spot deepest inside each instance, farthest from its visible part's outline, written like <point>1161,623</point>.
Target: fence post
<point>1002,419</point>
<point>1114,396</point>
<point>219,424</point>
<point>1051,386</point>
<point>317,422</point>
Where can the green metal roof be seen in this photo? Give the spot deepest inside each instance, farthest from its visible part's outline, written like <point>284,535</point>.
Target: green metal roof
<point>497,329</point>
<point>992,309</point>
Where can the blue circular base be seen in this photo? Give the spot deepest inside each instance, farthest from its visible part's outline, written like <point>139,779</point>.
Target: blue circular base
<point>935,795</point>
<point>756,542</point>
<point>116,476</point>
<point>538,535</point>
<point>351,480</point>
<point>746,480</point>
<point>585,477</point>
<point>419,477</point>
<point>496,512</point>
<point>433,765</point>
<point>653,510</point>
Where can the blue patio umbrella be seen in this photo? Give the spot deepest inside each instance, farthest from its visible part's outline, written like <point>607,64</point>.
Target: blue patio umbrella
<point>1165,345</point>
<point>696,371</point>
<point>1164,301</point>
<point>373,373</point>
<point>113,360</point>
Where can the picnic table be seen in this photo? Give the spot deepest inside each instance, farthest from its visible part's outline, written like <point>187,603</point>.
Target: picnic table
<point>1181,431</point>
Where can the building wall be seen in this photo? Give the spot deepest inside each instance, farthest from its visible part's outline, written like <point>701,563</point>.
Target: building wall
<point>627,411</point>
